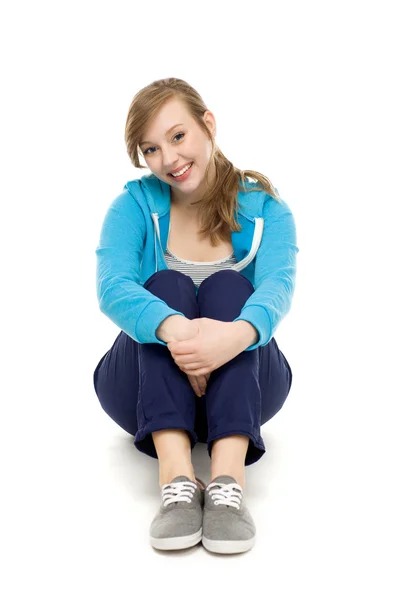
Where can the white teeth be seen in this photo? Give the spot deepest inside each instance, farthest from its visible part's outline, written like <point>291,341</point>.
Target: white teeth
<point>181,172</point>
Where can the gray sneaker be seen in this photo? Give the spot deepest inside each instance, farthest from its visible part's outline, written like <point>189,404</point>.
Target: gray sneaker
<point>228,526</point>
<point>178,522</point>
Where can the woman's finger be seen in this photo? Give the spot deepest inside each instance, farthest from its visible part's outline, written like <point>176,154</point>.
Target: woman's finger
<point>192,366</point>
<point>202,382</point>
<point>197,373</point>
<point>195,385</point>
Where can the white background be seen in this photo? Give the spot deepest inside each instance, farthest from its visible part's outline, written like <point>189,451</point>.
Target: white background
<point>306,93</point>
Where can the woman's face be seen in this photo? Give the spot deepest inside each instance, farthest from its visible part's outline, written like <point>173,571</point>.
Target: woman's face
<point>174,140</point>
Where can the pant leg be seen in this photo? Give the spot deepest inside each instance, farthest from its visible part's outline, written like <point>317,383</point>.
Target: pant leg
<point>275,380</point>
<point>116,382</point>
<point>139,385</point>
<point>235,402</point>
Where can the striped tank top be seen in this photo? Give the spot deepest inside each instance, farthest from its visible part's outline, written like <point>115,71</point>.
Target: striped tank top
<point>198,271</point>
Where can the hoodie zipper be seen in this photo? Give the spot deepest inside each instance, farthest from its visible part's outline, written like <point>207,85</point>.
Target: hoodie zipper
<point>257,237</point>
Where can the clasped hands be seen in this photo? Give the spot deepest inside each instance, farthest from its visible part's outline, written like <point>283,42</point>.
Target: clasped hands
<point>215,344</point>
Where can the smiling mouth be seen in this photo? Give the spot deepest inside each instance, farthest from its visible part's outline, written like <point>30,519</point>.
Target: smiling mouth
<point>186,167</point>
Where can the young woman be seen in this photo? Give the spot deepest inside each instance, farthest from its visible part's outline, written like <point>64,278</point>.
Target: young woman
<point>196,265</point>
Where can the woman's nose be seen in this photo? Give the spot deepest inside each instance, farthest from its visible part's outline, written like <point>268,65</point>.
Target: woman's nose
<point>170,160</point>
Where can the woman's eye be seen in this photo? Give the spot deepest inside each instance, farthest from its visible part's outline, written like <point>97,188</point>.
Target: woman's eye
<point>152,147</point>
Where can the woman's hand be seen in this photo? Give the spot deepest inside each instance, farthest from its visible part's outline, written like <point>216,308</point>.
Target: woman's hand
<point>183,329</point>
<point>199,383</point>
<point>215,344</point>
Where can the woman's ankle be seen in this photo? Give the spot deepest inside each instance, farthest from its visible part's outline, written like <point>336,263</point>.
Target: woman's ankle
<point>168,474</point>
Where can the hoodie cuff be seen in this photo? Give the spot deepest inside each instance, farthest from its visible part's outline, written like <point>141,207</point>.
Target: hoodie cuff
<point>259,318</point>
<point>149,320</point>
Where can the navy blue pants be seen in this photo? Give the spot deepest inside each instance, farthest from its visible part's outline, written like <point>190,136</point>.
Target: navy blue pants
<point>143,390</point>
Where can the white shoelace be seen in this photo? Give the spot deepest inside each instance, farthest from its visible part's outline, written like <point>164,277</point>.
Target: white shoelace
<point>229,494</point>
<point>178,491</point>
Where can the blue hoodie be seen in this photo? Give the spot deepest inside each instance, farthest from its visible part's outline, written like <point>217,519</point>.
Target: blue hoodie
<point>133,240</point>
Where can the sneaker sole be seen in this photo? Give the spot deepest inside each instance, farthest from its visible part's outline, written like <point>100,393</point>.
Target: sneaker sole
<point>228,546</point>
<point>177,543</point>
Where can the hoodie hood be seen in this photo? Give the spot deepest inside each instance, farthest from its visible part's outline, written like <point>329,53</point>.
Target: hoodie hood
<point>156,194</point>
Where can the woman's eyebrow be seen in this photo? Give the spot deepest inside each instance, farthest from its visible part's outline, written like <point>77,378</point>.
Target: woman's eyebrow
<point>170,129</point>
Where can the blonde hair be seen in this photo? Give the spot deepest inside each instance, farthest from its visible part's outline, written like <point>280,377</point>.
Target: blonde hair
<point>218,206</point>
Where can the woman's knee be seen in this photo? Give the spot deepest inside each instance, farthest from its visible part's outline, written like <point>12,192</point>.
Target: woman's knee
<point>228,278</point>
<point>169,275</point>
<point>222,295</point>
<point>176,289</point>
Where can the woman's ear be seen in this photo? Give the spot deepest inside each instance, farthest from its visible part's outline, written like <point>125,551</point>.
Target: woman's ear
<point>209,120</point>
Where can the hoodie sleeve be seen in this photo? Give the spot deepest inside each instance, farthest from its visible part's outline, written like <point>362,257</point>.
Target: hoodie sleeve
<point>275,272</point>
<point>121,297</point>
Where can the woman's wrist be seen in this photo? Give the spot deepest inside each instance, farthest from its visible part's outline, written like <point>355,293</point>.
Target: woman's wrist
<point>245,333</point>
<point>166,328</point>
<point>176,328</point>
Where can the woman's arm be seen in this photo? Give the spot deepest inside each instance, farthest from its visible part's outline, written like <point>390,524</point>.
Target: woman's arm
<point>274,273</point>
